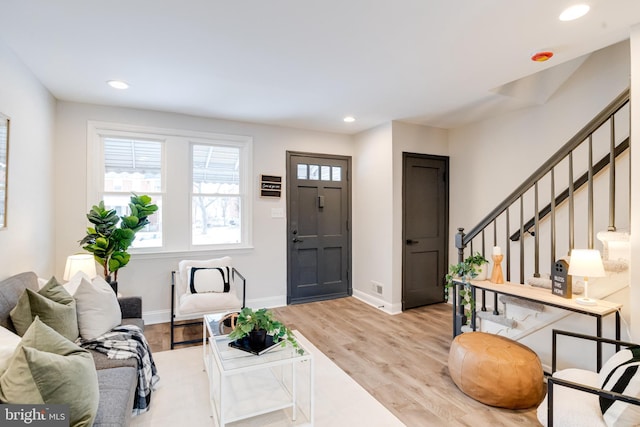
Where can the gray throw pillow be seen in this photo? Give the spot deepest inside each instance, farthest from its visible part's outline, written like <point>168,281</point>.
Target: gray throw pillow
<point>52,304</point>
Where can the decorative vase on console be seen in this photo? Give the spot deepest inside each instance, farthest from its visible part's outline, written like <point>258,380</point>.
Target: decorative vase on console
<point>496,274</point>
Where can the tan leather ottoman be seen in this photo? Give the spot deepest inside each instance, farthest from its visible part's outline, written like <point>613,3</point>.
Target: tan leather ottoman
<point>496,370</point>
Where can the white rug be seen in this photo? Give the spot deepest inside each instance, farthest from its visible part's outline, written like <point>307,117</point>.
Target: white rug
<point>181,398</point>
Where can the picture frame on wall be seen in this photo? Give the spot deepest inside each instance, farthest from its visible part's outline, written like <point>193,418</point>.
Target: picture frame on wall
<point>4,168</point>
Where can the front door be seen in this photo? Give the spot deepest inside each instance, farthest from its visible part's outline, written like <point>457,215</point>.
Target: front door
<point>425,228</point>
<point>319,238</point>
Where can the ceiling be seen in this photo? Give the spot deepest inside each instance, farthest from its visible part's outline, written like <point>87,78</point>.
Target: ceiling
<point>307,64</point>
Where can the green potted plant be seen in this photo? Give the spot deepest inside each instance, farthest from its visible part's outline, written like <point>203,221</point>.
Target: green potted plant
<point>111,235</point>
<point>256,325</point>
<point>465,271</point>
<point>480,265</point>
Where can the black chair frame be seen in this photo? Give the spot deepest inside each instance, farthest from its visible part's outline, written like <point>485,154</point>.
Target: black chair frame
<point>175,325</point>
<point>581,387</point>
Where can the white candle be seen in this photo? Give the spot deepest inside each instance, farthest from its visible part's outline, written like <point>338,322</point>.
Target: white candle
<point>496,250</point>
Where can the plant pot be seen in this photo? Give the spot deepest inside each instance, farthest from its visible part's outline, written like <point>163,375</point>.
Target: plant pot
<point>113,284</point>
<point>482,272</point>
<point>258,339</point>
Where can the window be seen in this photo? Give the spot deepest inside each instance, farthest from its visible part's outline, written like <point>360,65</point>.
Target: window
<point>134,166</point>
<point>200,182</point>
<point>216,200</point>
<point>316,172</point>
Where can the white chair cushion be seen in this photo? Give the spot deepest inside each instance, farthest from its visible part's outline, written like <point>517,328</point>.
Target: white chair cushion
<point>184,266</point>
<point>573,408</point>
<point>191,304</point>
<point>621,374</point>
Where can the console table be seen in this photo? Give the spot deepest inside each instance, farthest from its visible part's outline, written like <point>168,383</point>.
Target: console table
<point>544,296</point>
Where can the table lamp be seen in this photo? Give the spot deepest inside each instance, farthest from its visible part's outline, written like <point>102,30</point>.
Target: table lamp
<point>586,263</point>
<point>80,262</point>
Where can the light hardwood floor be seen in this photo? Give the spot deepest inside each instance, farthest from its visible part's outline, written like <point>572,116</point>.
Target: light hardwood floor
<point>401,360</point>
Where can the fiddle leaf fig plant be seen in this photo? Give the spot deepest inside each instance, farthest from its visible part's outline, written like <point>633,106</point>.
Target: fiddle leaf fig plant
<point>111,235</point>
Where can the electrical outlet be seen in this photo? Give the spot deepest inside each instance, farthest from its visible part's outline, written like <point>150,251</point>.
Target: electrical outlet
<point>376,287</point>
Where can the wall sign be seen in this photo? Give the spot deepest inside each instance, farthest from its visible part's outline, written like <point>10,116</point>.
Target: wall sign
<point>270,185</point>
<point>560,279</point>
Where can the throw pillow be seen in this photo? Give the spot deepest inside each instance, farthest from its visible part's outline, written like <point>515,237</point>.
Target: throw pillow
<point>8,344</point>
<point>53,304</point>
<point>620,374</point>
<point>98,308</point>
<point>184,267</point>
<point>72,285</point>
<point>203,279</point>
<point>47,368</point>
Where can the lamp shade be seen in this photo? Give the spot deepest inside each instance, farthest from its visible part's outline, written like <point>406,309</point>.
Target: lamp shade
<point>586,263</point>
<point>80,262</point>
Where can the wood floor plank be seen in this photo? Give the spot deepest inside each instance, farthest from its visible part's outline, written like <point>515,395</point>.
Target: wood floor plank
<point>400,359</point>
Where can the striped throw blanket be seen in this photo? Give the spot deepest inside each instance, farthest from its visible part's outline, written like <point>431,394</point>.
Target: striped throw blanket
<point>124,342</point>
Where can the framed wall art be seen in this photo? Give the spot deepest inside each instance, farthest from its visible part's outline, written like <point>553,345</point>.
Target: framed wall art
<point>4,168</point>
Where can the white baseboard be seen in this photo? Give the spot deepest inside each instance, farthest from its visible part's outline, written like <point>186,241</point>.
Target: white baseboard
<point>164,316</point>
<point>377,302</point>
<point>157,316</point>
<point>271,302</point>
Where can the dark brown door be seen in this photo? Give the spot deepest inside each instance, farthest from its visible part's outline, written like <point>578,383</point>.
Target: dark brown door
<point>319,239</point>
<point>425,228</point>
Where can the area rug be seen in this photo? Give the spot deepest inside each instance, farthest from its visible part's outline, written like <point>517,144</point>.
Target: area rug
<point>181,398</point>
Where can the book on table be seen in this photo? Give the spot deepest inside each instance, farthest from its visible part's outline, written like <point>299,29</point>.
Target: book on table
<point>243,344</point>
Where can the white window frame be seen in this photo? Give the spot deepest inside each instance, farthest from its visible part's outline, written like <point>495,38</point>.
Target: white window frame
<point>177,181</point>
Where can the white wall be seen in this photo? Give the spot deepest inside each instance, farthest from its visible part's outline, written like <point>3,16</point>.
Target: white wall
<point>27,243</point>
<point>149,276</point>
<point>372,216</point>
<point>489,159</point>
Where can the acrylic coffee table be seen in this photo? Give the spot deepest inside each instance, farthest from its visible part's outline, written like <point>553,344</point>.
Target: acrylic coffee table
<point>243,385</point>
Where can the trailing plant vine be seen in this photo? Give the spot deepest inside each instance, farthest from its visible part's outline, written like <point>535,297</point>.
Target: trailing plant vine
<point>463,272</point>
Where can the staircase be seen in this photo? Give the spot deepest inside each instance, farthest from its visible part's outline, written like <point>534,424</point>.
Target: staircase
<point>568,202</point>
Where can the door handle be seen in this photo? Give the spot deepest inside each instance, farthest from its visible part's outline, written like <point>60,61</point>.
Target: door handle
<point>412,242</point>
<point>296,240</point>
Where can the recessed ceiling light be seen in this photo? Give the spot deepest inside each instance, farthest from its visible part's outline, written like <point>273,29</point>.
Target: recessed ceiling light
<point>574,12</point>
<point>349,119</point>
<point>118,84</point>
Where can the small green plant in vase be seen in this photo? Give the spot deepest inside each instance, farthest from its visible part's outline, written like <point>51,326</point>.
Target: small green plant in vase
<point>257,324</point>
<point>465,271</point>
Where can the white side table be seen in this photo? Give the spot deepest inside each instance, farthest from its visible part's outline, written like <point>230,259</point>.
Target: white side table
<point>243,385</point>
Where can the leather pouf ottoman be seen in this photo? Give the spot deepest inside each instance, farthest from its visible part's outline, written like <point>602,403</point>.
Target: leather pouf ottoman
<point>496,371</point>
